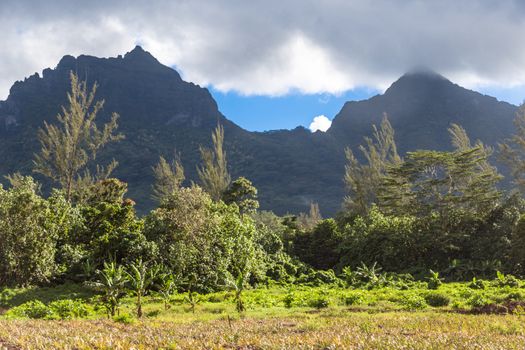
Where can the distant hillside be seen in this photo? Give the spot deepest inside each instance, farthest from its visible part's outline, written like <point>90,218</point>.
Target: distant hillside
<point>161,113</point>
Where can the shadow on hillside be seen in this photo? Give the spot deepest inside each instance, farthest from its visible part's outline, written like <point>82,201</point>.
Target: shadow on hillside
<point>48,294</point>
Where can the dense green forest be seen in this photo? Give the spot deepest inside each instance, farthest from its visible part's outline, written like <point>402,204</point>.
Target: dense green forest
<point>430,215</point>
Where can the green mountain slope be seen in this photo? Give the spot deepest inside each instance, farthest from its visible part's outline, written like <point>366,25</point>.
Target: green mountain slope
<point>161,113</point>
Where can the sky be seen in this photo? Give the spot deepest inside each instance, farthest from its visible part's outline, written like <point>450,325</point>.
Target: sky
<point>278,64</point>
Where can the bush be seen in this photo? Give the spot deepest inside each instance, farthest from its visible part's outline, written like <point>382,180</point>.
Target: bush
<point>124,318</point>
<point>506,280</point>
<point>477,284</point>
<point>60,309</point>
<point>319,302</point>
<point>477,300</point>
<point>353,299</point>
<point>68,309</point>
<point>5,296</point>
<point>318,278</point>
<point>32,309</point>
<point>434,281</point>
<point>515,296</point>
<point>288,300</point>
<point>413,302</point>
<point>437,299</point>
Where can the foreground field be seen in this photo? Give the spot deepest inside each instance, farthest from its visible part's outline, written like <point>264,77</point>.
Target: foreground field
<point>455,316</point>
<point>325,329</point>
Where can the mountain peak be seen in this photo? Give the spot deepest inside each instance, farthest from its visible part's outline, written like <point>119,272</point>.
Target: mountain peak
<point>139,54</point>
<point>420,81</point>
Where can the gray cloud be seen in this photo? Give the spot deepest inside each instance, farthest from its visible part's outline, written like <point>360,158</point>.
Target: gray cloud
<point>273,47</point>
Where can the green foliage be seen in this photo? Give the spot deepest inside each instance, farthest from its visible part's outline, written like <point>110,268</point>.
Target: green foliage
<point>363,180</point>
<point>30,228</point>
<point>204,240</point>
<point>413,302</point>
<point>193,299</point>
<point>5,296</point>
<point>166,287</point>
<point>111,231</point>
<point>319,278</point>
<point>238,286</point>
<point>478,300</point>
<point>436,181</point>
<point>319,302</point>
<point>31,309</point>
<point>512,151</point>
<point>320,247</point>
<point>168,178</point>
<point>477,284</point>
<point>437,299</point>
<point>518,245</point>
<point>124,319</point>
<point>68,309</point>
<point>244,194</point>
<point>140,278</point>
<point>68,148</point>
<point>434,281</point>
<point>112,283</point>
<point>213,173</point>
<point>503,280</point>
<point>353,298</point>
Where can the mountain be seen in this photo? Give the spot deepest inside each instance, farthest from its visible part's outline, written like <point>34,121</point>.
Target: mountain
<point>421,106</point>
<point>161,113</point>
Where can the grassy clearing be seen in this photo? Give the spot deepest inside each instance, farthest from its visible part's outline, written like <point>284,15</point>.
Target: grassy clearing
<point>325,329</point>
<point>306,317</point>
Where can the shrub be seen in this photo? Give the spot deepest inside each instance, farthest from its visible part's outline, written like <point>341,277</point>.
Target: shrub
<point>67,309</point>
<point>319,302</point>
<point>348,276</point>
<point>289,300</point>
<point>506,280</point>
<point>413,302</point>
<point>477,284</point>
<point>31,309</point>
<point>434,281</point>
<point>353,299</point>
<point>477,300</point>
<point>515,296</point>
<point>318,278</point>
<point>437,299</point>
<point>5,296</point>
<point>124,318</point>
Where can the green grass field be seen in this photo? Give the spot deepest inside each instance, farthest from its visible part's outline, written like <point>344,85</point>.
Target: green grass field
<point>278,317</point>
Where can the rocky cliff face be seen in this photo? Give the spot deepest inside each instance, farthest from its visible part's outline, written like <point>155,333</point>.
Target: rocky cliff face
<point>161,113</point>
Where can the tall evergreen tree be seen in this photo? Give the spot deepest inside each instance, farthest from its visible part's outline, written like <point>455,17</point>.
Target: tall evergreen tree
<point>168,178</point>
<point>512,151</point>
<point>213,173</point>
<point>362,180</point>
<point>68,148</point>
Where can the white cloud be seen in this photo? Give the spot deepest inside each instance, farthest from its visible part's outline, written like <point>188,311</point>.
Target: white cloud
<point>273,47</point>
<point>321,123</point>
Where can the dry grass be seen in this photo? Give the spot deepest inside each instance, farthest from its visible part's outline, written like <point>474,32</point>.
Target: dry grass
<point>323,330</point>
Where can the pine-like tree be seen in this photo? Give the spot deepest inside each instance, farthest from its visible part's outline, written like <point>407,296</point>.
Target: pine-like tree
<point>512,151</point>
<point>363,180</point>
<point>168,178</point>
<point>68,148</point>
<point>213,173</point>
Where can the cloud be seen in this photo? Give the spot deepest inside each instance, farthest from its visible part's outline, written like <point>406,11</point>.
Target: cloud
<point>275,47</point>
<point>321,123</point>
